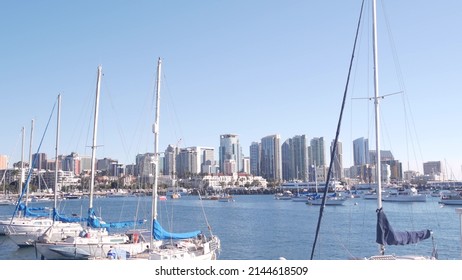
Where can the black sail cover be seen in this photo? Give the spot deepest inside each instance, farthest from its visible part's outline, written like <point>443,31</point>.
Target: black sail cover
<point>387,236</point>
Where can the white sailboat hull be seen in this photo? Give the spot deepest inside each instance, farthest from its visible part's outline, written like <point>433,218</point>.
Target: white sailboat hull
<point>190,249</point>
<point>25,232</point>
<point>405,198</point>
<point>328,201</point>
<point>95,245</point>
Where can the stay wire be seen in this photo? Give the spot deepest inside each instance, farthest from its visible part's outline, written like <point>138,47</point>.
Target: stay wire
<point>334,149</point>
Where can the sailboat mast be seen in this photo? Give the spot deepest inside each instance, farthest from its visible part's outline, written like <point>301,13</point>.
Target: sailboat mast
<point>155,129</point>
<point>377,106</point>
<point>30,158</point>
<point>21,183</point>
<point>93,146</point>
<point>378,166</point>
<point>55,205</point>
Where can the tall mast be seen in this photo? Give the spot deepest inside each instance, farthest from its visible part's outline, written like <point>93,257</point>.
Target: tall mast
<point>30,158</point>
<point>377,106</point>
<point>21,183</point>
<point>377,110</point>
<point>57,152</point>
<point>93,146</point>
<point>155,129</point>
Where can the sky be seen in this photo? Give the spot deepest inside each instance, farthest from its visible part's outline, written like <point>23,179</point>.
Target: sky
<point>251,68</point>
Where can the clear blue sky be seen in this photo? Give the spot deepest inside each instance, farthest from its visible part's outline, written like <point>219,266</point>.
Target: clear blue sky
<point>252,68</point>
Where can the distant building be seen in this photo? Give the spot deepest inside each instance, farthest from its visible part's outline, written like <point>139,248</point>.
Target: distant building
<point>271,165</point>
<point>432,168</point>
<point>3,162</point>
<point>361,151</point>
<point>255,158</point>
<point>294,154</point>
<point>229,151</point>
<point>145,168</point>
<point>384,156</point>
<point>39,161</point>
<point>317,152</point>
<point>337,167</point>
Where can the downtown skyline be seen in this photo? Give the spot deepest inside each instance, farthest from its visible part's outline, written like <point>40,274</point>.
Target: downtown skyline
<point>250,69</point>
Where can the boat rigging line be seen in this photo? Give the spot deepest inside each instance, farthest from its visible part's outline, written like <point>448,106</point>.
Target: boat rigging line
<point>334,149</point>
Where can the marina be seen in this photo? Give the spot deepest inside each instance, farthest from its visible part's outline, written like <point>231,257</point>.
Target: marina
<point>259,227</point>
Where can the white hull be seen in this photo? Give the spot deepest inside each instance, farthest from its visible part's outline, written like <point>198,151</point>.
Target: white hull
<point>283,198</point>
<point>6,202</point>
<point>300,199</point>
<point>406,198</point>
<point>187,249</point>
<point>25,232</point>
<point>62,251</point>
<point>451,201</point>
<point>95,245</point>
<point>329,201</point>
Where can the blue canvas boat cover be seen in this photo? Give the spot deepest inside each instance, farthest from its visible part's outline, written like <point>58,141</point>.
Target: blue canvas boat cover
<point>161,234</point>
<point>387,236</point>
<point>94,222</point>
<point>66,219</point>
<point>31,211</point>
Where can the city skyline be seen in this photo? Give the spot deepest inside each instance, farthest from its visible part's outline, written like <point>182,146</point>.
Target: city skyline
<point>247,68</point>
<point>292,160</point>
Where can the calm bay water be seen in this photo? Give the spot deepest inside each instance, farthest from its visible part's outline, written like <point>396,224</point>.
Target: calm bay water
<point>257,227</point>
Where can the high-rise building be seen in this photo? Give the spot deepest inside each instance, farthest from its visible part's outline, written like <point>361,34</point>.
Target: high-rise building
<point>39,161</point>
<point>229,151</point>
<point>196,160</point>
<point>107,165</point>
<point>85,163</point>
<point>294,154</point>
<point>384,156</point>
<point>187,162</point>
<point>361,151</point>
<point>170,155</point>
<point>286,161</point>
<point>255,158</point>
<point>271,166</point>
<point>208,164</point>
<point>337,167</point>
<point>317,152</point>
<point>145,167</point>
<point>432,168</point>
<point>72,163</point>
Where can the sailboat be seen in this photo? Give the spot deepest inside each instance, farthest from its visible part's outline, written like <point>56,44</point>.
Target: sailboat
<point>94,241</point>
<point>174,246</point>
<point>25,230</point>
<point>385,234</point>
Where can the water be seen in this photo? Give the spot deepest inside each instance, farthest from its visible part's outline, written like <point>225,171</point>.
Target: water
<point>257,227</point>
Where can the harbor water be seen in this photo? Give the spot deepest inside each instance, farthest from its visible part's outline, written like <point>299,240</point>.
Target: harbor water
<point>258,227</point>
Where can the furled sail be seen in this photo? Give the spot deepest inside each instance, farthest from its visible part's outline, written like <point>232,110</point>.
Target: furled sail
<point>32,211</point>
<point>387,236</point>
<point>94,222</point>
<point>161,234</point>
<point>66,219</point>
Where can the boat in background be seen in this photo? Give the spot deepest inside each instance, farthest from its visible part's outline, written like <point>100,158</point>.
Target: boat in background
<point>6,201</point>
<point>286,195</point>
<point>404,195</point>
<point>331,199</point>
<point>451,198</point>
<point>226,198</point>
